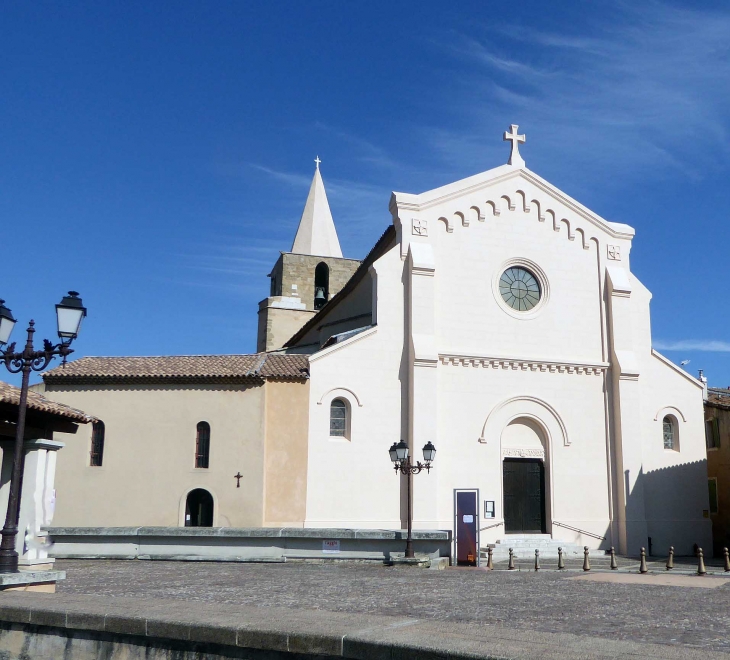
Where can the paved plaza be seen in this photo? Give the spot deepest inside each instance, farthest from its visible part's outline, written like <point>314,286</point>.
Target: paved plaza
<point>647,609</point>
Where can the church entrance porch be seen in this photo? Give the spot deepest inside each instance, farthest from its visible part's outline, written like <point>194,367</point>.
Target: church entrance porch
<point>524,496</point>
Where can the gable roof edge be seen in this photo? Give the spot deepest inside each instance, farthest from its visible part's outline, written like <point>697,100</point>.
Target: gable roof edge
<point>425,200</point>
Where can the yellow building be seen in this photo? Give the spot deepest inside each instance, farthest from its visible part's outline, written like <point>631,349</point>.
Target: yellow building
<point>717,429</point>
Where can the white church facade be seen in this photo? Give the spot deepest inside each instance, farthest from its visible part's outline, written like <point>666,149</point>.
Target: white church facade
<point>507,329</point>
<point>496,318</point>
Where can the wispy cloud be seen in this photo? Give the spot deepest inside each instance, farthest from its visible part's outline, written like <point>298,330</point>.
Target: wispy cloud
<point>705,345</point>
<point>368,152</point>
<point>360,209</point>
<point>640,92</point>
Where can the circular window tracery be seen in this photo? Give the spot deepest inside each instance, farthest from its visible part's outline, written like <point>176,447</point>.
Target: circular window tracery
<point>520,289</point>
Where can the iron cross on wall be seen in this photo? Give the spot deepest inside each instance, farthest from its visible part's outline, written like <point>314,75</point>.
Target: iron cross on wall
<point>238,477</point>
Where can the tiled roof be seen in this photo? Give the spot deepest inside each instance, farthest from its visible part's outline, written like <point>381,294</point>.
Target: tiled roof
<point>187,367</point>
<point>718,397</point>
<point>36,401</point>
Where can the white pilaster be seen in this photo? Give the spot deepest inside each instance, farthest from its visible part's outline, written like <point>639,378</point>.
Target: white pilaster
<point>37,501</point>
<point>626,398</point>
<point>423,377</point>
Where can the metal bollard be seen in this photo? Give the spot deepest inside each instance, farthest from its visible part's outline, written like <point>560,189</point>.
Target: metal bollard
<point>561,561</point>
<point>614,565</point>
<point>670,559</point>
<point>701,570</point>
<point>586,562</point>
<point>642,565</point>
<point>490,565</point>
<point>727,559</point>
<point>537,560</point>
<point>511,564</point>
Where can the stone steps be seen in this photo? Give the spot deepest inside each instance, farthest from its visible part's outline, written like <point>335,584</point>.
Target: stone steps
<point>524,546</point>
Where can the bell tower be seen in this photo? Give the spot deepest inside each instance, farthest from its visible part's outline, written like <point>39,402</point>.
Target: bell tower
<point>306,278</point>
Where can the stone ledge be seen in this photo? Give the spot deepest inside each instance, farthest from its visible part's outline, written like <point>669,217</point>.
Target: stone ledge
<point>29,578</point>
<point>157,624</point>
<point>250,532</point>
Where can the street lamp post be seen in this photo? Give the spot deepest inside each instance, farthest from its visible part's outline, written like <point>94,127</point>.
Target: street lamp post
<point>69,314</point>
<point>399,454</point>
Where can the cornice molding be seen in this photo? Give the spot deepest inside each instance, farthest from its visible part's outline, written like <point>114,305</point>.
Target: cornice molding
<point>523,364</point>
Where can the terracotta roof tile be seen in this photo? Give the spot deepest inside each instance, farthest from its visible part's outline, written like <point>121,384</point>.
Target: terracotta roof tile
<point>256,365</point>
<point>718,397</point>
<point>36,401</point>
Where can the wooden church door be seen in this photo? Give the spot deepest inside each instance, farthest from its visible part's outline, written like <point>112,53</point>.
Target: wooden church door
<point>524,496</point>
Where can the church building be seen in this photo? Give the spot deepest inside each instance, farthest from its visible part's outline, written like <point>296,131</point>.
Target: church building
<point>537,384</point>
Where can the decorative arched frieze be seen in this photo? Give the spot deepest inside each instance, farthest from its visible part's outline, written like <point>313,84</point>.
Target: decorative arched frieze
<point>540,214</point>
<point>495,208</point>
<point>340,392</point>
<point>530,407</point>
<point>476,213</point>
<point>571,235</point>
<point>584,240</point>
<point>510,203</point>
<point>551,214</point>
<point>479,216</point>
<point>669,410</point>
<point>525,203</point>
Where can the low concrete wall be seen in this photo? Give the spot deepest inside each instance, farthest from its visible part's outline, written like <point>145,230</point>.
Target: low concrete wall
<point>240,544</point>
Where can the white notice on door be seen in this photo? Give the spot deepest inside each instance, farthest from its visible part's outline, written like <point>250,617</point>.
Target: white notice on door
<point>468,519</point>
<point>331,546</point>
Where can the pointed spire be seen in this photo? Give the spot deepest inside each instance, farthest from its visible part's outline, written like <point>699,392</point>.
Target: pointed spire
<point>316,234</point>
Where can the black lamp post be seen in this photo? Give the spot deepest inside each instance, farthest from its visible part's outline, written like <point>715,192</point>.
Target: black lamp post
<point>69,314</point>
<point>399,454</point>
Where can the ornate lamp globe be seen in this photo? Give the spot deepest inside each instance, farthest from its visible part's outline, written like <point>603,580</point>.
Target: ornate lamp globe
<point>69,313</point>
<point>7,323</point>
<point>393,453</point>
<point>429,452</point>
<point>401,451</point>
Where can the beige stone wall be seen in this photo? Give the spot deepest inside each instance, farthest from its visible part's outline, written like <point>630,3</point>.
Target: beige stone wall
<point>278,324</point>
<point>287,419</point>
<point>298,269</point>
<point>148,466</point>
<point>718,466</point>
<point>293,278</point>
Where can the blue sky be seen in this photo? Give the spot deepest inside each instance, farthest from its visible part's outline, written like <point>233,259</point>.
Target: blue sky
<point>156,156</point>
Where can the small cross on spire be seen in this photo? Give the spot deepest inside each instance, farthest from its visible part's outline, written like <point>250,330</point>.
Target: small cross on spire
<point>511,136</point>
<point>317,161</point>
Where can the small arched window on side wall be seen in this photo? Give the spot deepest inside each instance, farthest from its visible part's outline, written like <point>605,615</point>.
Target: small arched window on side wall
<point>321,285</point>
<point>96,455</point>
<point>202,445</point>
<point>339,419</point>
<point>670,433</point>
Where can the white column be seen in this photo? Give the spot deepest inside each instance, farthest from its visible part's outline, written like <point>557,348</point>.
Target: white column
<point>37,502</point>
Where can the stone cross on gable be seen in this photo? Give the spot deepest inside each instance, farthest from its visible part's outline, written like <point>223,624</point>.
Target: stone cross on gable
<point>511,136</point>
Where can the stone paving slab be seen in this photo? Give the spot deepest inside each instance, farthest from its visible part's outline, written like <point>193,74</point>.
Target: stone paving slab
<point>655,579</point>
<point>505,602</point>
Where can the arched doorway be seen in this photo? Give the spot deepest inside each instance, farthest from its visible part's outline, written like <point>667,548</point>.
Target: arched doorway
<point>199,508</point>
<point>523,478</point>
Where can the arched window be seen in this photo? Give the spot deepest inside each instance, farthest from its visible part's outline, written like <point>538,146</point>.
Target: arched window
<point>670,432</point>
<point>321,285</point>
<point>339,418</point>
<point>96,455</point>
<point>199,508</point>
<point>202,445</point>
